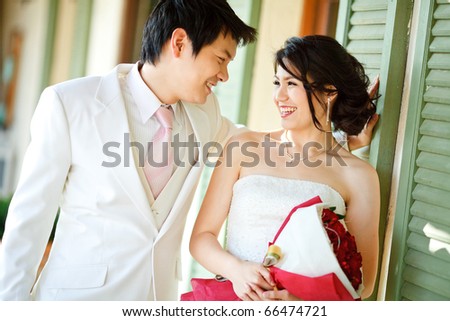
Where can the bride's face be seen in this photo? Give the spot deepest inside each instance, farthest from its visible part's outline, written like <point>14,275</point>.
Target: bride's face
<point>291,99</point>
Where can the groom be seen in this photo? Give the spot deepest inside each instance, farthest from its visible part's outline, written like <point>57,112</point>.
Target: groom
<point>118,236</point>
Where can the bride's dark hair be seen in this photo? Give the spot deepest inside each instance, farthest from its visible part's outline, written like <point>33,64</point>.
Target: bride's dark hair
<point>331,69</point>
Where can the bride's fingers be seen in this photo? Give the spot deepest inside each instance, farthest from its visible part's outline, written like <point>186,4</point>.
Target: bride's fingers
<point>273,295</point>
<point>252,293</point>
<point>267,278</point>
<point>258,291</point>
<point>279,295</point>
<point>371,122</point>
<point>245,297</point>
<point>260,277</point>
<point>373,87</point>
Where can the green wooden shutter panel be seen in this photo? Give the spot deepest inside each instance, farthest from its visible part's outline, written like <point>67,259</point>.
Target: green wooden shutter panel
<point>426,274</point>
<point>368,26</point>
<point>375,32</point>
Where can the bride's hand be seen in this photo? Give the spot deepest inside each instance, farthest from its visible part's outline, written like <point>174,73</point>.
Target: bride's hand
<point>250,281</point>
<point>365,136</point>
<point>279,295</point>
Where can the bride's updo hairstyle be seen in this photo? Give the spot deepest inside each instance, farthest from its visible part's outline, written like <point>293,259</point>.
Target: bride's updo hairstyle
<point>321,63</point>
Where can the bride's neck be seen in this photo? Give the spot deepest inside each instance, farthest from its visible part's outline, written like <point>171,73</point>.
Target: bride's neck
<point>300,139</point>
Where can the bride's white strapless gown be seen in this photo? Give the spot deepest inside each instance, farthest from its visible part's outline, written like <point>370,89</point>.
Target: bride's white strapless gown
<point>259,206</point>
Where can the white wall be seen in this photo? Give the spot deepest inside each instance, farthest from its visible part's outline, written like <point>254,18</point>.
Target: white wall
<point>279,20</point>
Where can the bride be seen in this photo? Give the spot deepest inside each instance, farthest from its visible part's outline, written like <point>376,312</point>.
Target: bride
<point>261,176</point>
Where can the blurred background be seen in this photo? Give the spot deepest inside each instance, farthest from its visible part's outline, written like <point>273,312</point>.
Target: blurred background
<point>406,42</point>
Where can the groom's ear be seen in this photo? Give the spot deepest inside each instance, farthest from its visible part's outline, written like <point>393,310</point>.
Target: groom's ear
<point>178,42</point>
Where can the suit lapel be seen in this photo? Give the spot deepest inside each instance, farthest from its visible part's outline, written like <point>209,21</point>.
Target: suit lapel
<point>112,128</point>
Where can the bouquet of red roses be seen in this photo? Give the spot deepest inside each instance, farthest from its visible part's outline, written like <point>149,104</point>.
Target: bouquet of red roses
<point>314,256</point>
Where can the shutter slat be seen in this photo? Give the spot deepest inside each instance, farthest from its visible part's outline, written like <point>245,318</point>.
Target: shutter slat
<point>442,12</point>
<point>373,32</point>
<point>427,281</point>
<point>431,212</point>
<point>439,61</point>
<point>368,18</point>
<point>435,128</point>
<point>428,264</point>
<point>365,47</point>
<point>370,61</point>
<point>440,95</point>
<point>369,5</point>
<point>432,178</point>
<point>432,195</point>
<point>416,293</point>
<point>434,248</point>
<point>372,72</point>
<point>441,28</point>
<point>435,145</point>
<point>440,44</point>
<point>440,78</point>
<point>430,230</point>
<point>436,112</point>
<point>435,162</point>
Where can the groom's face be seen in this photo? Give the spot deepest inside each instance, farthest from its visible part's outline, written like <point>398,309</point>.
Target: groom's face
<point>204,71</point>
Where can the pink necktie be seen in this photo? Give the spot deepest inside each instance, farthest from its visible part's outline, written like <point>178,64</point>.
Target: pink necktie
<point>158,166</point>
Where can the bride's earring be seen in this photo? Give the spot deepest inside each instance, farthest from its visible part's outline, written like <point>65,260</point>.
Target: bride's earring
<point>328,110</point>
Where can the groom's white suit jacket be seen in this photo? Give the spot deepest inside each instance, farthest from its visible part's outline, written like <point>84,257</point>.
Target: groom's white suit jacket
<point>107,245</point>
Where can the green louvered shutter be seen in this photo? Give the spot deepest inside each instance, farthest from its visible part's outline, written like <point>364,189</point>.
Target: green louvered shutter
<point>376,33</point>
<point>426,271</point>
<point>366,33</point>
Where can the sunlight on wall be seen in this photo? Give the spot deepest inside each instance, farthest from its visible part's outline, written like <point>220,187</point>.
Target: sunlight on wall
<point>63,42</point>
<point>104,38</point>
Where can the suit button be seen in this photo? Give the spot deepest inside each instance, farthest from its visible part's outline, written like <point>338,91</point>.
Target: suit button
<point>156,212</point>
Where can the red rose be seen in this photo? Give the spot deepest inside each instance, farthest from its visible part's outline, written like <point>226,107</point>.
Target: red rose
<point>344,247</point>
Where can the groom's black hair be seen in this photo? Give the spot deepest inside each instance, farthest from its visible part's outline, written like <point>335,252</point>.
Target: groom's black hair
<point>203,21</point>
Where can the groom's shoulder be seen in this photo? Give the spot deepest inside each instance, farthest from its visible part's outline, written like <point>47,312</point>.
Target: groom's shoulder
<point>109,79</point>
